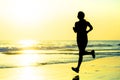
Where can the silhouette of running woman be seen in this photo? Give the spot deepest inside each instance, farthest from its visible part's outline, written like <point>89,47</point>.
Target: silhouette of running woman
<point>82,39</point>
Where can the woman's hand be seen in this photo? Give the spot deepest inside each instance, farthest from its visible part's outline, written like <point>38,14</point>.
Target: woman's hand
<point>74,29</point>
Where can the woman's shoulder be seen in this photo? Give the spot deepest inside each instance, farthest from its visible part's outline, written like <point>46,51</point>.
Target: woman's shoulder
<point>87,22</point>
<point>77,22</point>
<point>82,21</point>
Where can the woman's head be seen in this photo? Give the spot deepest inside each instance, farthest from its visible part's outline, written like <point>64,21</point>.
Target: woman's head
<point>81,15</point>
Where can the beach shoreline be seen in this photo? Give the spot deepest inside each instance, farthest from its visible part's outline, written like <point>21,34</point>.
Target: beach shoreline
<point>107,68</point>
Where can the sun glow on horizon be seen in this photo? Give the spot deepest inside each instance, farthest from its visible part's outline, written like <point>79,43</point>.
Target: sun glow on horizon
<point>27,43</point>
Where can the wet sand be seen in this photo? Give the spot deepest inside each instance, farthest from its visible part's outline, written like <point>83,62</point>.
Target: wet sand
<point>98,69</point>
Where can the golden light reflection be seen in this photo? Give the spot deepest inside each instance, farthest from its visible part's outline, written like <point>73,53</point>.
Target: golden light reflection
<point>29,73</point>
<point>29,57</point>
<point>29,60</point>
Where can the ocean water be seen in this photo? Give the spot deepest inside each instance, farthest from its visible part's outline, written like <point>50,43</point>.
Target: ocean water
<point>14,54</point>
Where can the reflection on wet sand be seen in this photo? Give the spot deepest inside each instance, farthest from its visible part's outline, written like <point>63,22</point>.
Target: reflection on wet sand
<point>76,78</point>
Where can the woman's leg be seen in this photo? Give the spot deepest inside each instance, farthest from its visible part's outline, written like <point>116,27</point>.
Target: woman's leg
<point>81,45</point>
<point>80,60</point>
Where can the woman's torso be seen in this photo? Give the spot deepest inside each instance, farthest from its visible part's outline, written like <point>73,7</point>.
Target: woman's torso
<point>81,27</point>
